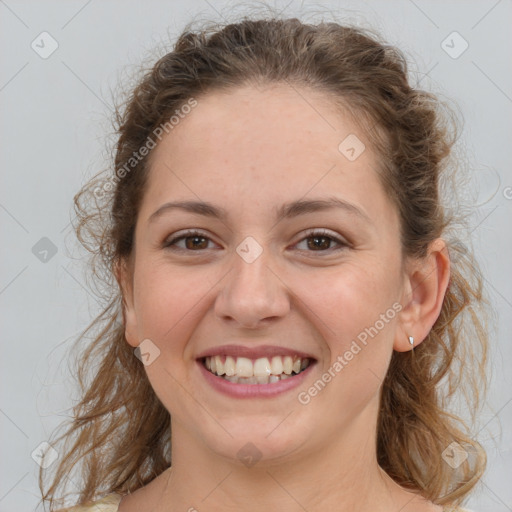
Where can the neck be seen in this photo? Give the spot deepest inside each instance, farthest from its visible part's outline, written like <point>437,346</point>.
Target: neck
<point>342,475</point>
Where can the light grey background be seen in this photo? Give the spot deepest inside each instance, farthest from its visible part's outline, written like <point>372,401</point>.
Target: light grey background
<point>53,128</point>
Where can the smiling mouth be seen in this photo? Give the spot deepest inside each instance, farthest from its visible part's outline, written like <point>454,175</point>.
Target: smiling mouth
<point>264,370</point>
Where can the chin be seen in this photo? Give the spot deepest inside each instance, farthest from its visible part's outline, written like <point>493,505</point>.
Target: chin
<point>255,441</point>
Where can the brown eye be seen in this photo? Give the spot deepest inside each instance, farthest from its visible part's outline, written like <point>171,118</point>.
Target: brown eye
<point>189,241</point>
<point>321,241</point>
<point>196,242</point>
<point>316,243</point>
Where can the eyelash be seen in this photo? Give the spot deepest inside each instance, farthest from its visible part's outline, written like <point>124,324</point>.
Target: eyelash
<point>310,234</point>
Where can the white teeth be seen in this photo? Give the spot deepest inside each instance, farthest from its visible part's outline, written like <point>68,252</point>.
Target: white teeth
<point>229,366</point>
<point>261,371</point>
<point>244,367</point>
<point>262,367</point>
<point>287,365</point>
<point>219,366</point>
<point>277,365</point>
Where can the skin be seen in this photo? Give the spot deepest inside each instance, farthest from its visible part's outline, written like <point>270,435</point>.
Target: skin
<point>250,151</point>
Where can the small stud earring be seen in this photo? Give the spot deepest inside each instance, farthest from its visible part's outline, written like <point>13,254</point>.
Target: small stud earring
<point>411,340</point>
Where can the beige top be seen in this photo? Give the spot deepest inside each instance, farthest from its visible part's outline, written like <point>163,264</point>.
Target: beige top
<point>110,503</point>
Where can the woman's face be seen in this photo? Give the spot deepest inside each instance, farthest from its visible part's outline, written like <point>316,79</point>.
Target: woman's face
<point>297,253</point>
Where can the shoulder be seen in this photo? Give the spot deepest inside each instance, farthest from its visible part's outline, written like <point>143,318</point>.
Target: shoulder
<point>109,503</point>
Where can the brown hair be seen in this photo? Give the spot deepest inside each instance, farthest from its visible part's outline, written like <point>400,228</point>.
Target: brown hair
<point>119,435</point>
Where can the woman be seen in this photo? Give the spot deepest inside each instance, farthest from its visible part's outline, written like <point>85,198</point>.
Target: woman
<point>287,306</point>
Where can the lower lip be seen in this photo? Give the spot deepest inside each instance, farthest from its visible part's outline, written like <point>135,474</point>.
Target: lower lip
<point>253,390</point>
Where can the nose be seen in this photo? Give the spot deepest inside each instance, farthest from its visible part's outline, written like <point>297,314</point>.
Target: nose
<point>252,294</point>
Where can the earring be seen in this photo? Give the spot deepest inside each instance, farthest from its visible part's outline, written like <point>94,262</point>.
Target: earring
<point>411,341</point>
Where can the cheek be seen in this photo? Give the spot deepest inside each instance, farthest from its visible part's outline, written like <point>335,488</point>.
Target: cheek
<point>171,302</point>
<point>347,304</point>
<point>347,311</point>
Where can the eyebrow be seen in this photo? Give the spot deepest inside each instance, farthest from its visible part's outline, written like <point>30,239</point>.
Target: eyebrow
<point>286,211</point>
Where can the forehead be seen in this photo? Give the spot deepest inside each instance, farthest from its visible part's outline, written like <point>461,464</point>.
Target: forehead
<point>255,122</point>
<point>261,144</point>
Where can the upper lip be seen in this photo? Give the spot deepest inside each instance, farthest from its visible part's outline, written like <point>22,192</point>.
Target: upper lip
<point>253,352</point>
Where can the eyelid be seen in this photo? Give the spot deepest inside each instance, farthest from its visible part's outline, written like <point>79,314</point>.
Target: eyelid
<point>340,240</point>
<point>171,240</point>
<point>180,235</point>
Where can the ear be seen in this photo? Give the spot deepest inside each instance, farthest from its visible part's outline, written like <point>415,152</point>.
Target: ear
<point>123,271</point>
<point>425,287</point>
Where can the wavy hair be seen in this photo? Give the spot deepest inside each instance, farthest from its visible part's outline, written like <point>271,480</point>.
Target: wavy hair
<point>118,438</point>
